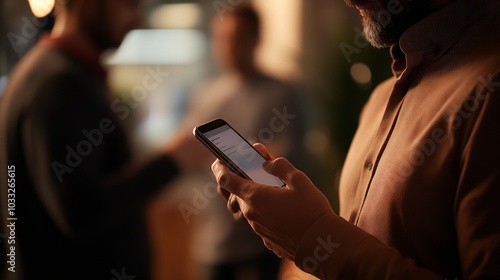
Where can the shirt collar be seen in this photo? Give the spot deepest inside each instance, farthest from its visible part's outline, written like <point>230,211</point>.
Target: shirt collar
<point>87,58</point>
<point>432,37</point>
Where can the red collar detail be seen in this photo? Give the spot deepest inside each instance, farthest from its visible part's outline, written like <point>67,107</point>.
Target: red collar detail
<point>69,46</point>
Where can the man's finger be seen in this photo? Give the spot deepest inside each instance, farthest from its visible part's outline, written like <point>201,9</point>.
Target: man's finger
<point>233,205</point>
<point>235,208</point>
<point>263,151</point>
<point>284,170</point>
<point>232,182</point>
<point>224,193</point>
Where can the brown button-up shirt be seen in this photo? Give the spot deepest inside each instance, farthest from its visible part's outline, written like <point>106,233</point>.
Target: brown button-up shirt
<point>421,182</point>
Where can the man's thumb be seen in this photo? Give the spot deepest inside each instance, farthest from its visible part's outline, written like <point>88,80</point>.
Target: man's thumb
<point>282,169</point>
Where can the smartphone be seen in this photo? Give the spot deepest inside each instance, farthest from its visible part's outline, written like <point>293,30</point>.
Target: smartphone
<point>232,149</point>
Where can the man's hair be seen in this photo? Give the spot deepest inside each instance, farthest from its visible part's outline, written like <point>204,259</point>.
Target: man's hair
<point>247,15</point>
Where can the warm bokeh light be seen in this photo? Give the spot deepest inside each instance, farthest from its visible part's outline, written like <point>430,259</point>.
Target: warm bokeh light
<point>361,73</point>
<point>280,48</point>
<point>41,8</point>
<point>316,142</point>
<point>183,15</point>
<point>160,47</point>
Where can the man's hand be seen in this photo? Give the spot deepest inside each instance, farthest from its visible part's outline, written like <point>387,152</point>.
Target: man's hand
<point>280,216</point>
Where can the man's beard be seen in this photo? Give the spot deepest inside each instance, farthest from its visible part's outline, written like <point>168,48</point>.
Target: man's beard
<point>383,28</point>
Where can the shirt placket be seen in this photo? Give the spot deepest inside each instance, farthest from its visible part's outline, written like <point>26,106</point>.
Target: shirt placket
<point>386,128</point>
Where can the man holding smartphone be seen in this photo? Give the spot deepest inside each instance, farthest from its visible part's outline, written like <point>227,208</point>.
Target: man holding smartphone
<point>419,189</point>
<point>256,104</point>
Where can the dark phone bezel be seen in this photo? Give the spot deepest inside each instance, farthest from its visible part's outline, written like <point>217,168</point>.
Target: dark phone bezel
<point>214,124</point>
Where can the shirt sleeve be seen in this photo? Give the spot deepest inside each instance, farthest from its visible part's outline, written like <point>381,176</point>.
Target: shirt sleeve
<point>333,248</point>
<point>477,206</point>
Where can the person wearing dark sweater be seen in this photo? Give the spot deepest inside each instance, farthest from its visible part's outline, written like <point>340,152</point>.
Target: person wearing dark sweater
<point>78,192</point>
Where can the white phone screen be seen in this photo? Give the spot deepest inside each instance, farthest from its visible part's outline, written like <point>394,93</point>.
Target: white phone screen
<point>242,154</point>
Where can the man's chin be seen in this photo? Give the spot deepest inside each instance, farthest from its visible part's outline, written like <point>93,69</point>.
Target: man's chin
<point>383,29</point>
<point>377,35</point>
<point>378,38</point>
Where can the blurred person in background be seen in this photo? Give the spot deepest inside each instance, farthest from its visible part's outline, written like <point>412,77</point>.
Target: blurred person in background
<point>261,108</point>
<point>79,195</point>
<point>420,186</point>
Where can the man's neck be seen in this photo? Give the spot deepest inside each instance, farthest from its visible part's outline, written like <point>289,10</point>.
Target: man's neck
<point>70,29</point>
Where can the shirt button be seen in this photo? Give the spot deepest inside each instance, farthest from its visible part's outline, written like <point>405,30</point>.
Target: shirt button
<point>369,166</point>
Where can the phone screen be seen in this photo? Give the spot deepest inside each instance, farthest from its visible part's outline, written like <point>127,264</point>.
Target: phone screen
<point>241,154</point>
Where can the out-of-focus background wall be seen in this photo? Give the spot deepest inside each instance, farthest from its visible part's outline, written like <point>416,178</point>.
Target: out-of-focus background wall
<point>313,44</point>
